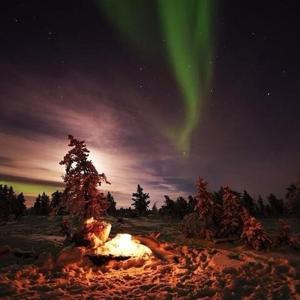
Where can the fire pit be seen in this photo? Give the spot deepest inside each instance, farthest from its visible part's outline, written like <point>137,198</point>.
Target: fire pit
<point>122,247</point>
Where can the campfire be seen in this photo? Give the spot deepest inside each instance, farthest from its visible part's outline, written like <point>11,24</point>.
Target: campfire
<point>122,245</point>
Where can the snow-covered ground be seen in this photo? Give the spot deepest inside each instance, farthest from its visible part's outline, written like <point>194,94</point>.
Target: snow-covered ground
<point>201,271</point>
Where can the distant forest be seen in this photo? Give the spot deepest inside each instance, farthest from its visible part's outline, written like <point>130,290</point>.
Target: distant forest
<point>12,205</point>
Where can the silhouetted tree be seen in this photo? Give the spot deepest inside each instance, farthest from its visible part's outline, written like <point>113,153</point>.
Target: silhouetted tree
<point>111,210</point>
<point>276,205</point>
<point>191,204</point>
<point>10,203</point>
<point>168,209</point>
<point>81,195</point>
<point>154,209</point>
<point>248,202</point>
<point>140,201</point>
<point>56,199</point>
<point>127,212</point>
<point>181,207</point>
<point>18,207</point>
<point>4,202</point>
<point>261,207</point>
<point>217,196</point>
<point>41,206</point>
<point>293,199</point>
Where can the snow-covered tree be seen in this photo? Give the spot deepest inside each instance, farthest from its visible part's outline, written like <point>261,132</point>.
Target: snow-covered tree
<point>81,195</point>
<point>205,209</point>
<point>253,233</point>
<point>231,223</point>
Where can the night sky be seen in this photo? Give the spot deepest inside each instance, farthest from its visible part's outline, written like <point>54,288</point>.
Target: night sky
<point>67,67</point>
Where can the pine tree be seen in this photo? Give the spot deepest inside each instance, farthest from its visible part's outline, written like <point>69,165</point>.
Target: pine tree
<point>276,205</point>
<point>231,224</point>
<point>37,205</point>
<point>181,207</point>
<point>140,201</point>
<point>81,195</point>
<point>56,199</point>
<point>205,209</point>
<point>261,207</point>
<point>191,204</point>
<point>42,205</point>
<point>248,203</point>
<point>253,233</point>
<point>18,205</point>
<point>168,209</point>
<point>4,202</point>
<point>293,199</point>
<point>111,210</point>
<point>45,205</point>
<point>154,209</point>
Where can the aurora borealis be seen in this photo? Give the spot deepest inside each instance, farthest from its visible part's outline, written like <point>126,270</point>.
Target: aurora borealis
<point>188,34</point>
<point>146,82</point>
<point>186,29</point>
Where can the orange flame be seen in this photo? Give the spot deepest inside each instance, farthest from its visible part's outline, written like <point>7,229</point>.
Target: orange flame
<point>124,245</point>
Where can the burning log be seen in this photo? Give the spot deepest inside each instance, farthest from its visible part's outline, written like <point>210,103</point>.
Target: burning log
<point>100,260</point>
<point>157,248</point>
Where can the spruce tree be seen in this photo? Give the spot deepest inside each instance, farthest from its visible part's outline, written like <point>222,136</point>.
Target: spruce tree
<point>168,209</point>
<point>248,203</point>
<point>191,203</point>
<point>181,207</point>
<point>293,199</point>
<point>18,207</point>
<point>111,210</point>
<point>231,224</point>
<point>205,209</point>
<point>37,205</point>
<point>4,202</point>
<point>140,201</point>
<point>56,199</point>
<point>276,205</point>
<point>45,205</point>
<point>42,205</point>
<point>81,195</point>
<point>154,209</point>
<point>261,207</point>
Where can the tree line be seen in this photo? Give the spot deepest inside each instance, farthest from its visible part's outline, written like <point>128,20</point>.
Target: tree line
<point>12,204</point>
<point>82,196</point>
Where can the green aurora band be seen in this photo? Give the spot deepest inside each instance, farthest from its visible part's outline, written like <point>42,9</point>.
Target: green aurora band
<point>186,28</point>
